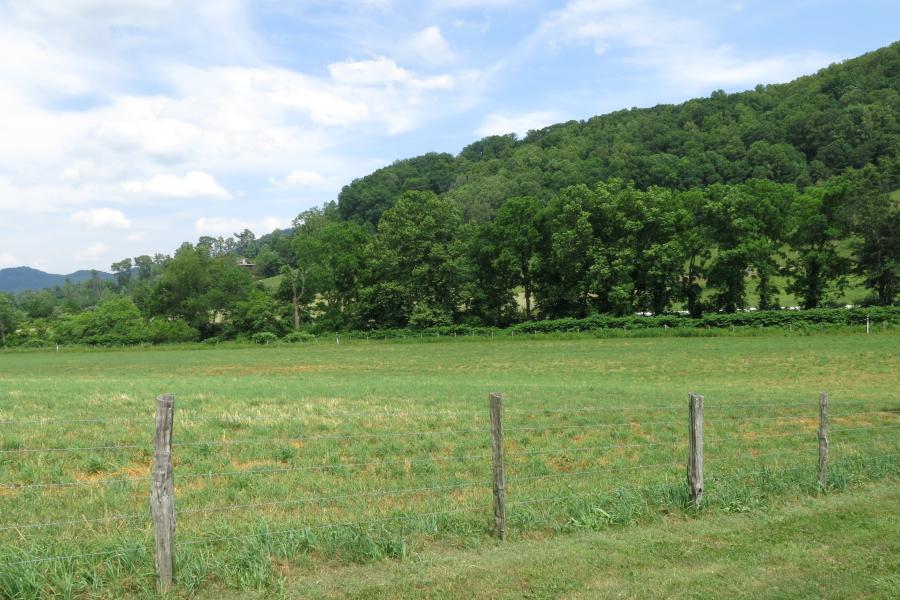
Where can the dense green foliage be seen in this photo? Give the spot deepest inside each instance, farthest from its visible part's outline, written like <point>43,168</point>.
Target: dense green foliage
<point>809,130</point>
<point>707,207</point>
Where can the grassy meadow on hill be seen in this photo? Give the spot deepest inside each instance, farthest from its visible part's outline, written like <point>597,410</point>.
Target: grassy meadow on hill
<point>294,463</point>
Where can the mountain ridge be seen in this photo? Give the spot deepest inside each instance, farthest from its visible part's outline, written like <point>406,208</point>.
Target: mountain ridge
<point>24,278</point>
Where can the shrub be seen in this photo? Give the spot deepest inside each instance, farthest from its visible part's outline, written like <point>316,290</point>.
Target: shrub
<point>264,337</point>
<point>424,316</point>
<point>162,330</point>
<point>296,337</point>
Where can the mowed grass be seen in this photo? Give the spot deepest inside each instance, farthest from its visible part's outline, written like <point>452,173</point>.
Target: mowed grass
<point>294,460</point>
<point>834,546</point>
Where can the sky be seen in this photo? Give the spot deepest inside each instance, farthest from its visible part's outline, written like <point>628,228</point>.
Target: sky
<point>130,126</point>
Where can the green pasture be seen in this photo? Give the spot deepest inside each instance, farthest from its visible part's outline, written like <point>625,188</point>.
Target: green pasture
<point>293,461</point>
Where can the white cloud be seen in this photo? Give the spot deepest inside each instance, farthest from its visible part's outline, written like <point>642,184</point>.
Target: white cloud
<point>226,226</point>
<point>680,51</point>
<point>520,124</point>
<point>376,71</point>
<point>102,218</point>
<point>200,120</point>
<point>71,174</point>
<point>8,259</point>
<point>137,236</point>
<point>219,226</point>
<point>93,252</point>
<point>721,66</point>
<point>298,178</point>
<point>270,224</point>
<point>194,184</point>
<point>480,4</point>
<point>432,47</point>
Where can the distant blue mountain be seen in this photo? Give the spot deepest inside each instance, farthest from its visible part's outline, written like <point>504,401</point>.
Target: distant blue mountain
<point>19,279</point>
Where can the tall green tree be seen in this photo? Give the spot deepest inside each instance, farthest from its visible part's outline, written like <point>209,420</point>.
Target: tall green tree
<point>517,236</point>
<point>144,265</point>
<point>197,287</point>
<point>815,267</point>
<point>342,267</point>
<point>746,222</point>
<point>122,271</point>
<point>9,317</point>
<point>293,288</point>
<point>878,249</point>
<point>871,210</point>
<point>566,256</point>
<point>493,301</point>
<point>650,226</point>
<point>420,249</point>
<point>697,242</point>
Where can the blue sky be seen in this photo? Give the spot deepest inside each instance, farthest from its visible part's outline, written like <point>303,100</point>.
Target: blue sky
<point>127,127</point>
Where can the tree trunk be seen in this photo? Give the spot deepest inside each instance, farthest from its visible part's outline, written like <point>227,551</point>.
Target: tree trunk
<point>296,313</point>
<point>526,283</point>
<point>297,295</point>
<point>690,293</point>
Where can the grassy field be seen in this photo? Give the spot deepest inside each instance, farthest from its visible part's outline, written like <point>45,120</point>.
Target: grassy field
<point>836,546</point>
<point>295,462</point>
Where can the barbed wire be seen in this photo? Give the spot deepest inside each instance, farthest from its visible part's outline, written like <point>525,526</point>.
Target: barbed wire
<point>52,449</point>
<point>149,420</point>
<point>372,494</point>
<point>71,484</point>
<point>398,434</point>
<point>375,435</point>
<point>212,540</point>
<point>267,534</point>
<point>580,472</point>
<point>122,552</point>
<point>463,458</point>
<point>315,412</point>
<point>49,524</point>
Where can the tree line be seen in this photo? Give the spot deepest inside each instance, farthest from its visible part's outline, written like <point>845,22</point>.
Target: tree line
<point>607,249</point>
<point>708,206</point>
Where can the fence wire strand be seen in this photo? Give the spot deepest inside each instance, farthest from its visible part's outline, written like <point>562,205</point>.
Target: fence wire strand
<point>266,534</point>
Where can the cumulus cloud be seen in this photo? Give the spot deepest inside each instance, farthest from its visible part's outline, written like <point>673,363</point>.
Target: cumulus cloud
<point>431,45</point>
<point>298,178</point>
<point>682,51</point>
<point>102,218</point>
<point>520,124</point>
<point>93,252</point>
<point>225,226</point>
<point>273,223</point>
<point>233,114</point>
<point>192,185</point>
<point>480,4</point>
<point>7,259</point>
<point>376,71</point>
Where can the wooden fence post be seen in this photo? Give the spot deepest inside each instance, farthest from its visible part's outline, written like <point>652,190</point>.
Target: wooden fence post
<point>695,450</point>
<point>162,493</point>
<point>499,478</point>
<point>823,440</point>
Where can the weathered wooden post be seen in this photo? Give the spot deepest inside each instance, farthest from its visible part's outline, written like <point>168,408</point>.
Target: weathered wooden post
<point>695,449</point>
<point>823,440</point>
<point>162,493</point>
<point>499,478</point>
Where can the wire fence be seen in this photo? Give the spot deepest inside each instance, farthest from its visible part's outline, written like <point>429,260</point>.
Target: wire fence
<point>549,462</point>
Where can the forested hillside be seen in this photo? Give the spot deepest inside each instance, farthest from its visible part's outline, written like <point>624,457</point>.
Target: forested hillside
<point>713,205</point>
<point>801,132</point>
<point>20,279</point>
